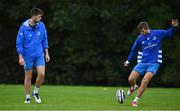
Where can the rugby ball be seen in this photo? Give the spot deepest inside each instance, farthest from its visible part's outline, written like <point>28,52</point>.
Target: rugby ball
<point>120,96</point>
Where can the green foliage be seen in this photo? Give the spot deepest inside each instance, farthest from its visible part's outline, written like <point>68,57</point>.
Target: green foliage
<point>89,39</point>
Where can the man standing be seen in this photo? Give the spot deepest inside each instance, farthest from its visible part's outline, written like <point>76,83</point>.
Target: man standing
<point>147,48</point>
<point>32,49</point>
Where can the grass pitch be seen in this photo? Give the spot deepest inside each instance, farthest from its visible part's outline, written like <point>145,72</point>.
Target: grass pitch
<point>87,98</point>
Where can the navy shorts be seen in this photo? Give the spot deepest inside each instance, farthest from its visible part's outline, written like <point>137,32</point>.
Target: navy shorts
<point>142,68</point>
<point>33,62</point>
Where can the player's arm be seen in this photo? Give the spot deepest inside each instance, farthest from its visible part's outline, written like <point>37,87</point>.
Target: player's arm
<point>19,45</point>
<point>47,55</point>
<point>45,45</point>
<point>133,52</point>
<point>175,22</point>
<point>21,60</point>
<point>169,33</point>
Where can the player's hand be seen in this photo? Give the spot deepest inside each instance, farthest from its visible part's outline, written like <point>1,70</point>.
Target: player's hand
<point>47,57</point>
<point>126,64</point>
<point>174,22</point>
<point>21,61</point>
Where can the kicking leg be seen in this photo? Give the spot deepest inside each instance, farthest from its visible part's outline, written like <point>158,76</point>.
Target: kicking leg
<point>132,81</point>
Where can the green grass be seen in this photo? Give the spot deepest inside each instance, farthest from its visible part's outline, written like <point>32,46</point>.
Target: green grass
<point>87,98</point>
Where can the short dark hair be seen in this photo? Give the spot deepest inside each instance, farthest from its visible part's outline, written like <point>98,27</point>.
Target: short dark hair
<point>143,25</point>
<point>35,12</point>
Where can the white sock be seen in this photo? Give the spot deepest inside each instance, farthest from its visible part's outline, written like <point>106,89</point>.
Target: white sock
<point>136,99</point>
<point>27,95</point>
<point>36,90</point>
<point>133,87</point>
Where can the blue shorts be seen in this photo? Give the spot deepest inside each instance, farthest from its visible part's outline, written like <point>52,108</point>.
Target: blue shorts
<point>142,68</point>
<point>33,62</point>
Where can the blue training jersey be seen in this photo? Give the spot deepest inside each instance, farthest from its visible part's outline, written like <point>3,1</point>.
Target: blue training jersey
<point>31,41</point>
<point>147,48</point>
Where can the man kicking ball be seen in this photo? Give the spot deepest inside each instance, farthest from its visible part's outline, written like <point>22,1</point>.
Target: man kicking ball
<point>147,49</point>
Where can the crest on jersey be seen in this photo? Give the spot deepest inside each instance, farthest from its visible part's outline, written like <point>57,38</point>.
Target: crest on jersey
<point>38,33</point>
<point>142,42</point>
<point>154,37</point>
<point>21,33</point>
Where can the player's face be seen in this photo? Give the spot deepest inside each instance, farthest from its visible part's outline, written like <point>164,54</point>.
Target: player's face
<point>144,31</point>
<point>37,18</point>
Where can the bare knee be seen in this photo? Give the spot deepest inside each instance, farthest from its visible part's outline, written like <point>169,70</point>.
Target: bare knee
<point>146,79</point>
<point>27,80</point>
<point>130,79</point>
<point>28,77</point>
<point>40,77</point>
<point>133,76</point>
